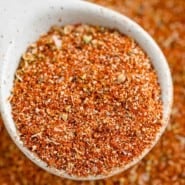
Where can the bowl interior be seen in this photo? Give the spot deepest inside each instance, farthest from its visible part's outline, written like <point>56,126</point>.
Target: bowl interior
<point>37,18</point>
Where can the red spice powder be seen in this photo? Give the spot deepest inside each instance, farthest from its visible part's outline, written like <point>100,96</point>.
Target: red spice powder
<point>165,164</point>
<point>86,99</point>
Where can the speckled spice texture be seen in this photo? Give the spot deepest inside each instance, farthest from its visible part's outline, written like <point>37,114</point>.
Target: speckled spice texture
<point>165,165</point>
<point>86,99</point>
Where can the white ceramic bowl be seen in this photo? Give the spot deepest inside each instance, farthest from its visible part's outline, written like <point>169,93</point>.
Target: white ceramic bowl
<point>23,24</point>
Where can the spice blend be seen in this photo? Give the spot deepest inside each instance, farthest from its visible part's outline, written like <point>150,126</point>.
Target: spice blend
<point>165,164</point>
<point>86,99</point>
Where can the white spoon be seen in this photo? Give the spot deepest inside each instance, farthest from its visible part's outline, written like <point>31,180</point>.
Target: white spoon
<point>23,24</point>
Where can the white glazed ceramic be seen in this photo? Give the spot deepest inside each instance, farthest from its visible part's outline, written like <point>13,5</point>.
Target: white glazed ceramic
<point>23,22</point>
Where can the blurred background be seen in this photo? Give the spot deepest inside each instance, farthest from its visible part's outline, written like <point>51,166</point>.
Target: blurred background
<point>165,164</point>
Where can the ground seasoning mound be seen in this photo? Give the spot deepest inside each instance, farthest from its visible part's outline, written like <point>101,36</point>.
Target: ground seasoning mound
<point>165,164</point>
<point>86,99</point>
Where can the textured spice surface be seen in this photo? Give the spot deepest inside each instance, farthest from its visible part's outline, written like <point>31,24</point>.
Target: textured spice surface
<point>86,99</point>
<point>165,164</point>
